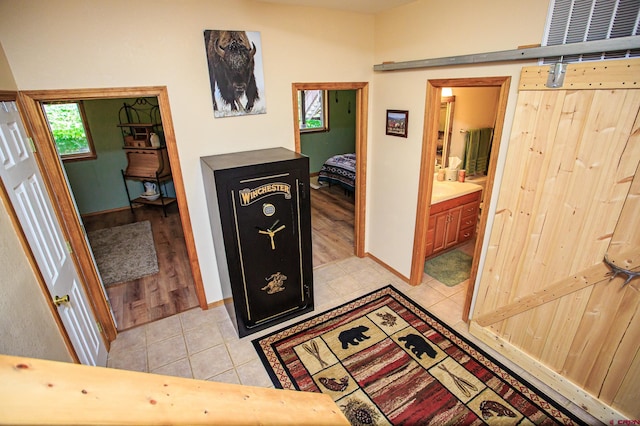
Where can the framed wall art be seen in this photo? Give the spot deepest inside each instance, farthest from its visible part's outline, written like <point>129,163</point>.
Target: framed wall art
<point>235,72</point>
<point>397,122</point>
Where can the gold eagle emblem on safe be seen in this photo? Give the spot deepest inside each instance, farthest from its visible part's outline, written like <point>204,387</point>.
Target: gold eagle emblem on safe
<point>275,284</point>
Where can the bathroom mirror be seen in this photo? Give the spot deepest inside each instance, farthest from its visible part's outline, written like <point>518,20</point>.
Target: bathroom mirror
<point>445,127</point>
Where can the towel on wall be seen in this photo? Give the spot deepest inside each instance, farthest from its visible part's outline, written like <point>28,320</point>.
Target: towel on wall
<point>477,149</point>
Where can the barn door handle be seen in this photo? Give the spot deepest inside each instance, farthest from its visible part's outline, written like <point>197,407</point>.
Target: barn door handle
<point>615,270</point>
<point>60,300</point>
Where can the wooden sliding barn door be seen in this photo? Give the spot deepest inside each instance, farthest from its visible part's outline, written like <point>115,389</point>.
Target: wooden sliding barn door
<point>570,195</point>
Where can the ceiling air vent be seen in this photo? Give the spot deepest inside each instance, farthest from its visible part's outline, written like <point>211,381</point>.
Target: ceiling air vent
<point>575,21</point>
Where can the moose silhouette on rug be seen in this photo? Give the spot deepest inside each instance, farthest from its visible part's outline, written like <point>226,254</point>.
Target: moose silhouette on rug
<point>353,336</point>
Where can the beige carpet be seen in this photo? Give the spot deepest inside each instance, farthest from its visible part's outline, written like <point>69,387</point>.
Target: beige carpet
<point>124,253</point>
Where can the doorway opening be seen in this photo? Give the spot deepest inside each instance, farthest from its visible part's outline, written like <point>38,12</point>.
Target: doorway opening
<point>70,218</point>
<point>359,108</point>
<point>431,148</point>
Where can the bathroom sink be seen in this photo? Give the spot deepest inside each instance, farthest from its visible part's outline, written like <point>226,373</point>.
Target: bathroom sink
<point>446,190</point>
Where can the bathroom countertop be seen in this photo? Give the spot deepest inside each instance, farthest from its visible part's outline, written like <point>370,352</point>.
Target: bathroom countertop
<point>447,190</point>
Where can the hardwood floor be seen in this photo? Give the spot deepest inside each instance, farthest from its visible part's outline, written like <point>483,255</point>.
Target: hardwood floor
<point>171,291</point>
<point>166,293</point>
<point>332,222</point>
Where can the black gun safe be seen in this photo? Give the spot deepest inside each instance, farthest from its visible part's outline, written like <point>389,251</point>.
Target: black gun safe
<point>260,215</point>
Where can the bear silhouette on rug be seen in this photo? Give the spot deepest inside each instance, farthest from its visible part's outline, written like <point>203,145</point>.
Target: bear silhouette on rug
<point>353,336</point>
<point>418,345</point>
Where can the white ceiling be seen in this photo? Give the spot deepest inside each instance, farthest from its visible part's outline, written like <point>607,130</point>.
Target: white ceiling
<point>361,6</point>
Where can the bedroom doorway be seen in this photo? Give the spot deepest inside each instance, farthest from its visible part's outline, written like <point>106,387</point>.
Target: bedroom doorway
<point>139,249</point>
<point>359,108</point>
<point>427,170</point>
<point>69,216</point>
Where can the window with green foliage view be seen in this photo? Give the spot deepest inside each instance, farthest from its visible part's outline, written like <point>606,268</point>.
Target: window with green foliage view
<point>70,131</point>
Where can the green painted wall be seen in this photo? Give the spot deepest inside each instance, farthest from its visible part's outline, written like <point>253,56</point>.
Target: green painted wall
<point>97,184</point>
<point>341,137</point>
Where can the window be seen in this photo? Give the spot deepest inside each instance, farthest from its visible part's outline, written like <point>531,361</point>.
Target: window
<point>70,131</point>
<point>571,21</point>
<point>312,111</point>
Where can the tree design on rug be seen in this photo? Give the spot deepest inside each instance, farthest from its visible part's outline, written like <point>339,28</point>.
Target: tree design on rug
<point>359,413</point>
<point>387,319</point>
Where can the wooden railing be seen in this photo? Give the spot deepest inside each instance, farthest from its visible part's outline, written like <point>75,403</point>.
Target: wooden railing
<point>35,391</point>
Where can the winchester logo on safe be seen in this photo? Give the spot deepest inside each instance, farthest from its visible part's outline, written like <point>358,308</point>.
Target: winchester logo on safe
<point>248,196</point>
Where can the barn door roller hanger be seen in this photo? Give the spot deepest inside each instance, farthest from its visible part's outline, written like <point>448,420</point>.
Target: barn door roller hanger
<point>557,72</point>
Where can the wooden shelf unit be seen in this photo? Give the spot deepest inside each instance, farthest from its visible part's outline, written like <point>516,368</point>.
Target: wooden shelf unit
<point>139,135</point>
<point>147,158</point>
<point>146,164</point>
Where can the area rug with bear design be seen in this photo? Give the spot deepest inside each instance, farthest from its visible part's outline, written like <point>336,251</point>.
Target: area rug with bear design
<point>385,360</point>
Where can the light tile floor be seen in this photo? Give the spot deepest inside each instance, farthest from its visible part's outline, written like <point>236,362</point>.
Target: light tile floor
<point>204,344</point>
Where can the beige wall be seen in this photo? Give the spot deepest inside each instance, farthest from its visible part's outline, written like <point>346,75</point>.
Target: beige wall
<point>77,43</point>
<point>475,108</point>
<point>7,81</point>
<point>422,30</point>
<point>74,44</point>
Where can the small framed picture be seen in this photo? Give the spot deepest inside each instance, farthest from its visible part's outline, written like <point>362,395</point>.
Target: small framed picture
<point>397,122</point>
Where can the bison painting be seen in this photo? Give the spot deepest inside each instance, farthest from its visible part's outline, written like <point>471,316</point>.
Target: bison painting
<point>232,62</point>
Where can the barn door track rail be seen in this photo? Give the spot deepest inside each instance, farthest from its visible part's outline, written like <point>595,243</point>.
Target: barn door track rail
<point>533,53</point>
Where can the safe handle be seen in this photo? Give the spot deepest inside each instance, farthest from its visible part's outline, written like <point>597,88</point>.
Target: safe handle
<point>302,189</point>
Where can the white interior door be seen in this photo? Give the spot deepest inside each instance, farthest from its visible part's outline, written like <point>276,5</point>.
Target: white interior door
<point>24,184</point>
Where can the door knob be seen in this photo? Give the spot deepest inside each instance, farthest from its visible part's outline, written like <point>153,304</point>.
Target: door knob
<point>58,300</point>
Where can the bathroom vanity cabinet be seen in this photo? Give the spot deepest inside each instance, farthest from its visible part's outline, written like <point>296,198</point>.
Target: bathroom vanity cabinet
<point>452,222</point>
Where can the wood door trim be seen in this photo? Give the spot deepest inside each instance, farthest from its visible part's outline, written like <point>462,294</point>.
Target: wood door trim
<point>8,95</point>
<point>585,278</point>
<point>183,208</point>
<point>429,142</point>
<point>53,174</point>
<point>362,112</point>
